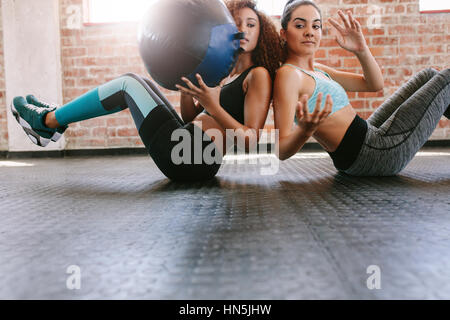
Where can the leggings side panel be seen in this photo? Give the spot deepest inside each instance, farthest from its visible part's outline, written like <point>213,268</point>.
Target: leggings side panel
<point>85,107</point>
<point>166,102</point>
<point>388,150</point>
<point>383,112</point>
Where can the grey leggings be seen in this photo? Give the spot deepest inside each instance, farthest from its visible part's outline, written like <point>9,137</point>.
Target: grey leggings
<point>402,124</point>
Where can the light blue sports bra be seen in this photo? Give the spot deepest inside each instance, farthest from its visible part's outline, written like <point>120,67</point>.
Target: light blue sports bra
<point>331,87</point>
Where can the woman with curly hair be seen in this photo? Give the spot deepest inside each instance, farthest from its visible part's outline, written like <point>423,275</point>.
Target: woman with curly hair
<point>242,101</point>
<point>240,104</point>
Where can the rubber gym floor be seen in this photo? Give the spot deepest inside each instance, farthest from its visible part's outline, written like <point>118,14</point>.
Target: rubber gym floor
<point>306,232</point>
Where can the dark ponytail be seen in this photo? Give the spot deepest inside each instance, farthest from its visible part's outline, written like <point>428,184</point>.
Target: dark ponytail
<point>290,7</point>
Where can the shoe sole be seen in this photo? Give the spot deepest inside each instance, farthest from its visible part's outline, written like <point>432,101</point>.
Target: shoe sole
<point>32,135</point>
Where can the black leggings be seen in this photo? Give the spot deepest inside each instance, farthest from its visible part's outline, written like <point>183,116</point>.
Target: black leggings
<point>387,142</point>
<point>156,121</point>
<point>156,133</point>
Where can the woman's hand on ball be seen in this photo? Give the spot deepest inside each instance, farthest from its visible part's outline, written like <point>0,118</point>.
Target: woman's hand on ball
<point>208,97</point>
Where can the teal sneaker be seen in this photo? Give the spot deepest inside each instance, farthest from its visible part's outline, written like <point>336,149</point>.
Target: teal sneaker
<point>32,120</point>
<point>33,100</point>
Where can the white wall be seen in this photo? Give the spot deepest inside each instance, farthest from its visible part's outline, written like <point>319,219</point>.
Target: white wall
<point>32,60</point>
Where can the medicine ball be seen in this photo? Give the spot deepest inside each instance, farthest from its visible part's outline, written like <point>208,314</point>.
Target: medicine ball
<point>183,37</point>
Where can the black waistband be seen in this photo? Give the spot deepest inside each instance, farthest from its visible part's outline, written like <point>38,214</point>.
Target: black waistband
<point>345,155</point>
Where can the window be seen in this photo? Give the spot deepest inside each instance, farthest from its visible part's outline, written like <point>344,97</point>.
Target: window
<point>434,6</point>
<point>111,11</point>
<point>272,7</point>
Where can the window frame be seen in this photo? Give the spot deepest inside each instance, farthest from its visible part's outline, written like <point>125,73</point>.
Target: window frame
<point>88,21</point>
<point>433,11</point>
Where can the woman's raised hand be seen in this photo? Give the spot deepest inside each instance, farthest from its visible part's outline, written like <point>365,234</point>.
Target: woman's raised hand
<point>310,122</point>
<point>350,36</point>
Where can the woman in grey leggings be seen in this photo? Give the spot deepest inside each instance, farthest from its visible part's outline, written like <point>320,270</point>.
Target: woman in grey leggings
<point>385,143</point>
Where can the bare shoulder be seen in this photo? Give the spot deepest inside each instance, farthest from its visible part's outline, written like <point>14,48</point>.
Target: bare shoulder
<point>287,73</point>
<point>288,78</point>
<point>331,71</point>
<point>258,74</point>
<point>259,79</point>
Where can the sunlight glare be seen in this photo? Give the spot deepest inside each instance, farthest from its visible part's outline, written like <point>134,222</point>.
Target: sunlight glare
<point>104,11</point>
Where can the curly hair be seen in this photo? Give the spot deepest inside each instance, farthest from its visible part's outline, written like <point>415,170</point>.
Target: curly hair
<point>268,52</point>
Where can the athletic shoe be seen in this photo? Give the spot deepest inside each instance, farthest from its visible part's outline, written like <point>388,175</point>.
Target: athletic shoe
<point>33,100</point>
<point>32,120</point>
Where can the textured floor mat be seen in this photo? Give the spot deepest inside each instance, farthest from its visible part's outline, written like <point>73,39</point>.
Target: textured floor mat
<point>305,233</point>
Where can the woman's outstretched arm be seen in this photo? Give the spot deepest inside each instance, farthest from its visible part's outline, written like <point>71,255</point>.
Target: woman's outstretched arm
<point>286,105</point>
<point>256,107</point>
<point>350,38</point>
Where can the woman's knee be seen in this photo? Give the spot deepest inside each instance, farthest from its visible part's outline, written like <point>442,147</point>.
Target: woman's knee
<point>130,75</point>
<point>131,80</point>
<point>429,72</point>
<point>445,73</point>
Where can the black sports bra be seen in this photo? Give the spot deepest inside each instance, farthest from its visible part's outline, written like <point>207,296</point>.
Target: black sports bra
<point>232,97</point>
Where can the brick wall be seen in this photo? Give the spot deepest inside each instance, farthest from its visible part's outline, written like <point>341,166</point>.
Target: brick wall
<point>402,40</point>
<point>91,56</point>
<point>3,120</point>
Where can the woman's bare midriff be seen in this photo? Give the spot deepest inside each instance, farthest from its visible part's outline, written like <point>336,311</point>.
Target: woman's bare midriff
<point>333,129</point>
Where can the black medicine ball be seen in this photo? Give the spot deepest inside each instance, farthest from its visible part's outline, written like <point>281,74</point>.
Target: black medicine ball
<point>184,37</point>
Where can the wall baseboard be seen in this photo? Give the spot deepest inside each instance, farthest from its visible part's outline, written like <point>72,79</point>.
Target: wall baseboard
<point>143,151</point>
